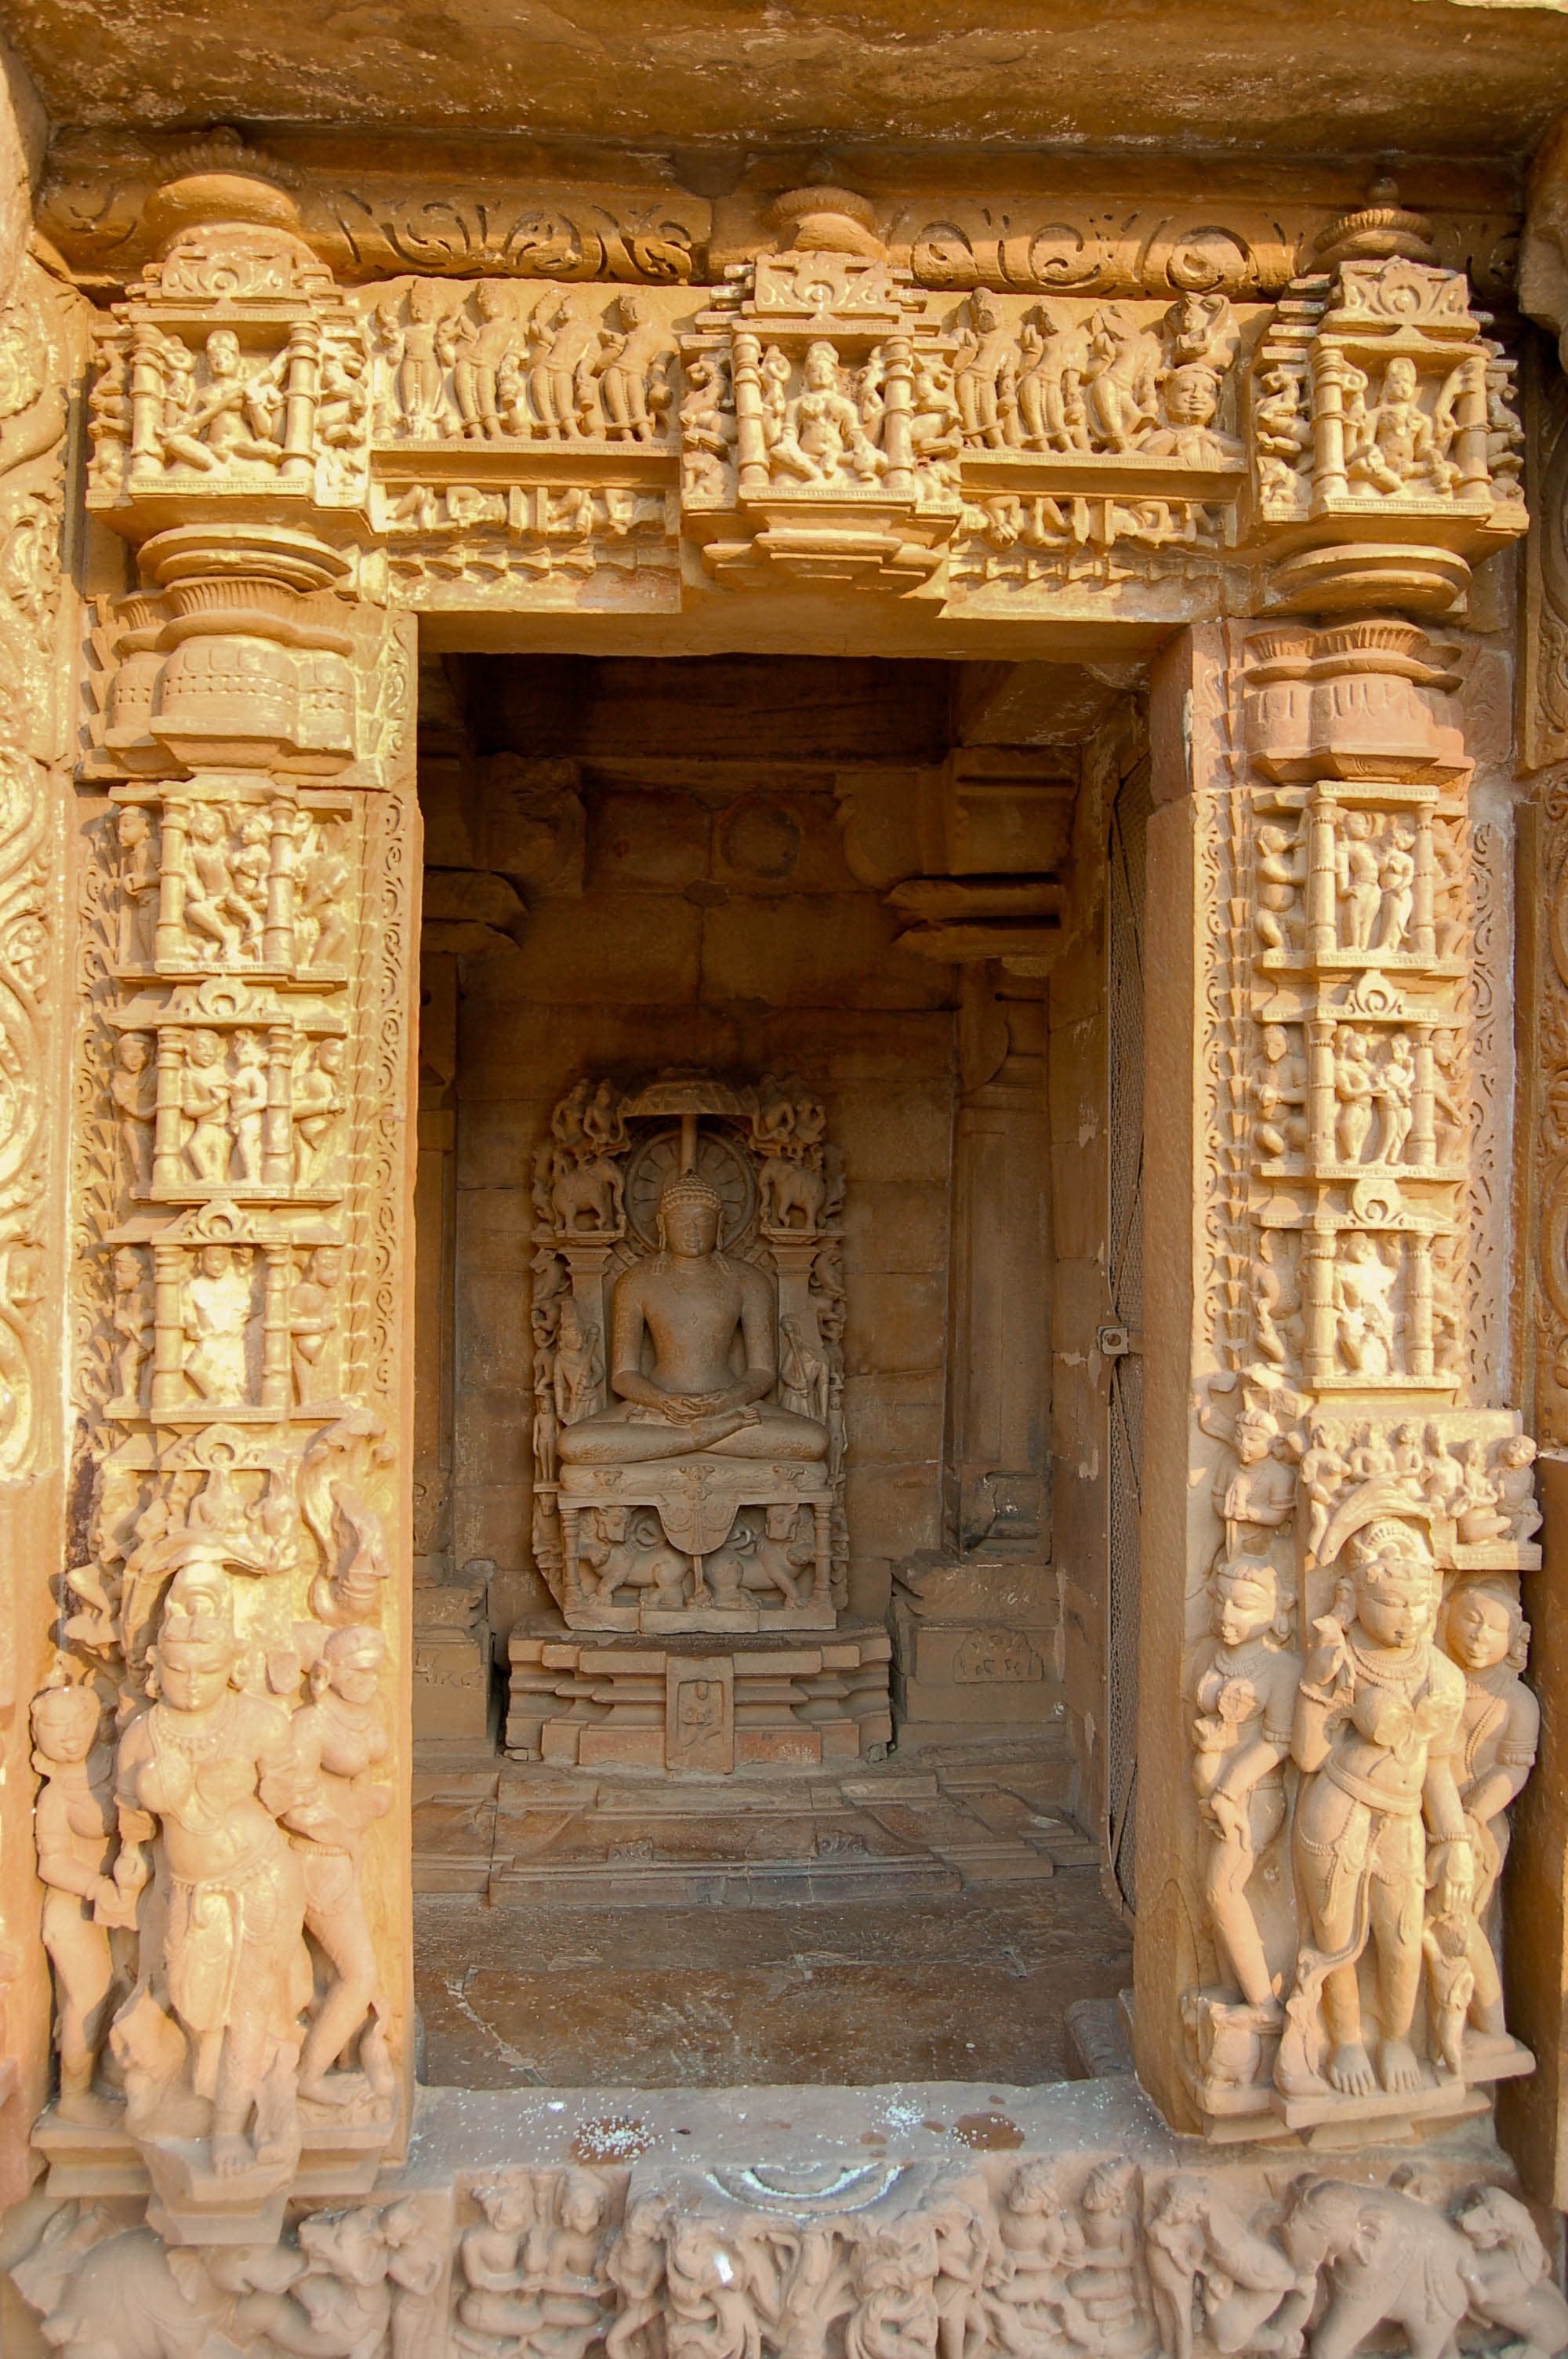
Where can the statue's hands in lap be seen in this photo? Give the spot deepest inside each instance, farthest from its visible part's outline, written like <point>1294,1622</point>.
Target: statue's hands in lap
<point>690,1407</point>
<point>694,1314</point>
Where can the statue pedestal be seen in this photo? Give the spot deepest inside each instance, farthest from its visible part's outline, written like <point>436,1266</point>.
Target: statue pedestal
<point>710,1704</point>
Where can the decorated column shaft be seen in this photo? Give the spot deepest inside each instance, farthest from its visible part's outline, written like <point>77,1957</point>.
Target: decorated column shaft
<point>1339,1500</point>
<point>225,1724</point>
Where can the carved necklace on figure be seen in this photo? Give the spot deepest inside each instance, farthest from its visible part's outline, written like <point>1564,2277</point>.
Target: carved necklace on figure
<point>1405,1671</point>
<point>201,1744</point>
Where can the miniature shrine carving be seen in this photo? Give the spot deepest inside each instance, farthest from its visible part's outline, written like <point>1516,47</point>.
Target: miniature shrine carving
<point>688,1467</point>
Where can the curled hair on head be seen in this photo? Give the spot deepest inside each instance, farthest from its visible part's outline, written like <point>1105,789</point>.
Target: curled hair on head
<point>688,1188</point>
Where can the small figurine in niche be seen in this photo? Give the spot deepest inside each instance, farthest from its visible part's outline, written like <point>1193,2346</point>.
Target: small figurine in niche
<point>235,415</point>
<point>1396,1095</point>
<point>313,1317</point>
<point>1257,1498</point>
<point>1280,1092</point>
<point>1394,444</point>
<point>1364,1314</point>
<point>247,1105</point>
<point>204,1094</point>
<point>1108,2278</point>
<point>318,1099</point>
<point>1396,879</point>
<point>565,2268</point>
<point>219,1321</point>
<point>1358,885</point>
<point>74,1830</point>
<point>1041,2244</point>
<point>635,2268</point>
<point>132,1324</point>
<point>134,1088</point>
<point>138,882</point>
<point>1124,364</point>
<point>1279,865</point>
<point>1244,1690</point>
<point>580,1363</point>
<point>1474,1504</point>
<point>1055,347</point>
<point>824,432</point>
<point>1352,1085</point>
<point>482,355</point>
<point>213,908</point>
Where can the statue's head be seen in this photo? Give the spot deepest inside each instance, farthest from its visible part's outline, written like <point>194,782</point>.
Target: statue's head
<point>1400,384</point>
<point>1247,1602</point>
<point>508,2205</point>
<point>1486,1627</point>
<point>65,1723</point>
<point>350,1664</point>
<point>198,1647</point>
<point>690,1208</point>
<point>582,2203</point>
<point>1394,1580</point>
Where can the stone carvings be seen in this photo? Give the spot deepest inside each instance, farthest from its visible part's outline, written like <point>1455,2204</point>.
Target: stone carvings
<point>1364,1589</point>
<point>230,2004</point>
<point>688,1421</point>
<point>822,419</point>
<point>1033,2253</point>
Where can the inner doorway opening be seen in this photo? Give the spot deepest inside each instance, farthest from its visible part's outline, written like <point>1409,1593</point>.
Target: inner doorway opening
<point>778,1745</point>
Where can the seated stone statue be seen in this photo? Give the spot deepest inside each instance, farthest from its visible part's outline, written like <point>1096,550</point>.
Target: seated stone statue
<point>689,1302</point>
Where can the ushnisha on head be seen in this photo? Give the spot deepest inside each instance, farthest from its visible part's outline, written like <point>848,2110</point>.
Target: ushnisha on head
<point>690,1208</point>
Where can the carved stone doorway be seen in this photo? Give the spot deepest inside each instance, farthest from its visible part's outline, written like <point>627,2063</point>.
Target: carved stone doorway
<point>839,897</point>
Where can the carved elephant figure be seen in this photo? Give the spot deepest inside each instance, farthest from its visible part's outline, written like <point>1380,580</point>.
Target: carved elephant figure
<point>786,1188</point>
<point>587,1194</point>
<point>132,2297</point>
<point>1382,2259</point>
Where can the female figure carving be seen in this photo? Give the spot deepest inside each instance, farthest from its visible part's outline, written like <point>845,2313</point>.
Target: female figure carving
<point>338,1739</point>
<point>1244,1690</point>
<point>74,1828</point>
<point>1500,1731</point>
<point>201,1774</point>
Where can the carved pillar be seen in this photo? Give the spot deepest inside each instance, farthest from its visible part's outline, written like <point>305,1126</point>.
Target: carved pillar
<point>1337,1503</point>
<point>243,1596</point>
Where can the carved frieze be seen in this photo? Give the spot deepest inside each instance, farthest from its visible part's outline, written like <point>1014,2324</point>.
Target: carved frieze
<point>1089,2250</point>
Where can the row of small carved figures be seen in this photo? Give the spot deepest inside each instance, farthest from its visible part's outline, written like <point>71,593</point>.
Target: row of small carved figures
<point>1485,1489</point>
<point>1059,381</point>
<point>1135,2263</point>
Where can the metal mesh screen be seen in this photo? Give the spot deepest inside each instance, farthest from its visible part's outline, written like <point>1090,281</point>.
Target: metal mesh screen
<point>1124,1024</point>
